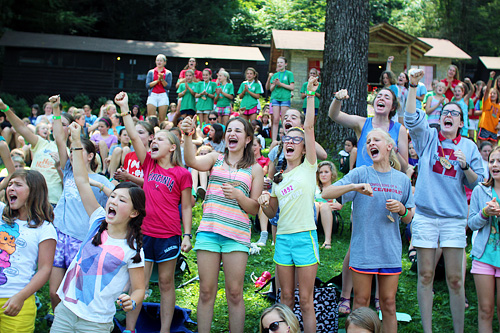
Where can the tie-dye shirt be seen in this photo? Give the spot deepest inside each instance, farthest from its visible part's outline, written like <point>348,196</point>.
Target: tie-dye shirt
<point>98,274</point>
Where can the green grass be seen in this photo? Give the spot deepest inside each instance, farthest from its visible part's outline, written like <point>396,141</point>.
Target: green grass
<point>331,265</point>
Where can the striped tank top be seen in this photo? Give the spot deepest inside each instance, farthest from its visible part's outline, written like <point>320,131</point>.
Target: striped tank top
<point>225,216</point>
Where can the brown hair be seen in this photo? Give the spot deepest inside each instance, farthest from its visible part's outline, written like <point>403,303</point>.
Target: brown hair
<point>491,182</point>
<point>395,102</point>
<point>37,204</point>
<point>390,76</point>
<point>333,170</point>
<point>248,159</point>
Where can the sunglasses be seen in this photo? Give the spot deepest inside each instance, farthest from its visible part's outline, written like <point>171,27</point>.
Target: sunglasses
<point>212,118</point>
<point>452,113</point>
<point>294,139</point>
<point>273,327</point>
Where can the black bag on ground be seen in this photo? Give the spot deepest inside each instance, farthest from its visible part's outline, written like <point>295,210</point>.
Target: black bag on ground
<point>325,306</point>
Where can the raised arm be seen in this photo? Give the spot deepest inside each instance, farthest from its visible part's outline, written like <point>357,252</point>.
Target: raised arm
<point>354,122</point>
<point>312,85</point>
<point>80,171</point>
<point>388,66</point>
<point>121,99</point>
<point>411,102</point>
<point>18,124</point>
<point>57,128</point>
<point>200,163</point>
<point>488,86</point>
<point>7,161</point>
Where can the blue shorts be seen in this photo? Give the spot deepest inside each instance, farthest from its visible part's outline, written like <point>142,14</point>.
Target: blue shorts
<point>66,249</point>
<point>299,249</point>
<point>315,111</point>
<point>212,242</point>
<point>281,103</point>
<point>486,135</point>
<point>161,249</point>
<point>377,271</point>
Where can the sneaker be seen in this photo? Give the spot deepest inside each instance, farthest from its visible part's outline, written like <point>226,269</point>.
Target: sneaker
<point>201,193</point>
<point>263,239</point>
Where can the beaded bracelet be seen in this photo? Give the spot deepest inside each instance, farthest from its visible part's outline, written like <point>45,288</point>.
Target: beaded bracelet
<point>8,108</point>
<point>190,133</point>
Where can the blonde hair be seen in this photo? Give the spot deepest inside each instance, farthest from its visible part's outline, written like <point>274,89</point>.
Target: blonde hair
<point>457,76</point>
<point>333,170</point>
<point>204,147</point>
<point>176,156</point>
<point>226,74</point>
<point>393,158</point>
<point>162,56</point>
<point>285,314</point>
<point>364,318</point>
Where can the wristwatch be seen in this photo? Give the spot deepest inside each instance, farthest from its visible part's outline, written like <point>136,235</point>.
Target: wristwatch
<point>466,167</point>
<point>190,236</point>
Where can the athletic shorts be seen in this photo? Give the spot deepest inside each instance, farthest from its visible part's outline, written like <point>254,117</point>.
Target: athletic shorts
<point>281,103</point>
<point>24,322</point>
<point>189,112</point>
<point>377,271</point>
<point>161,249</point>
<point>484,269</point>
<point>251,111</point>
<point>315,111</point>
<point>223,111</point>
<point>66,249</point>
<point>158,99</point>
<point>485,135</point>
<point>430,232</point>
<point>212,242</point>
<point>299,249</point>
<point>473,124</point>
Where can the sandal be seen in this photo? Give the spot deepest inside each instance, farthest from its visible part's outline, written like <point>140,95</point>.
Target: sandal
<point>376,302</point>
<point>412,255</point>
<point>344,306</point>
<point>326,246</point>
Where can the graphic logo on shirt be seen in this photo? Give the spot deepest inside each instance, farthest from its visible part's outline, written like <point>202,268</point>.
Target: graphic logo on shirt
<point>165,180</point>
<point>96,267</point>
<point>387,188</point>
<point>8,236</point>
<point>438,167</point>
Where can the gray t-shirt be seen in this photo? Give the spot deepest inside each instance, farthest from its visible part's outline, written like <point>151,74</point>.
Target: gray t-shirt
<point>375,240</point>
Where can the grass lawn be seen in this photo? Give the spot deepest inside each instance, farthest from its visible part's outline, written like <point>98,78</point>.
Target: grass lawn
<point>331,265</point>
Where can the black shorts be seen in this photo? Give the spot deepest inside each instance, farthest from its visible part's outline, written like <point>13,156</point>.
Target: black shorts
<point>485,135</point>
<point>161,249</point>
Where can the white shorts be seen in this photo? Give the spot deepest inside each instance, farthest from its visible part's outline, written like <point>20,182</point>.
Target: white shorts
<point>473,124</point>
<point>158,99</point>
<point>430,232</point>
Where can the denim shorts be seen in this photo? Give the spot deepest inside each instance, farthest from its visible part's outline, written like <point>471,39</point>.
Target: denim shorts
<point>281,103</point>
<point>286,251</point>
<point>158,99</point>
<point>212,242</point>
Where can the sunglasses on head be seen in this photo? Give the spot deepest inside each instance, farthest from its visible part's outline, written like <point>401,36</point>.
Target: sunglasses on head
<point>452,113</point>
<point>273,327</point>
<point>293,139</point>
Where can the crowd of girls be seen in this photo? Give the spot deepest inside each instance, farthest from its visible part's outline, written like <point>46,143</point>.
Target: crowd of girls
<point>112,196</point>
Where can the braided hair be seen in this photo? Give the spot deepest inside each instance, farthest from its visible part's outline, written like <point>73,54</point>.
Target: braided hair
<point>134,234</point>
<point>278,176</point>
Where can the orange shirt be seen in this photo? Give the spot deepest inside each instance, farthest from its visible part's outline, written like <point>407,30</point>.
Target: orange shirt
<point>489,117</point>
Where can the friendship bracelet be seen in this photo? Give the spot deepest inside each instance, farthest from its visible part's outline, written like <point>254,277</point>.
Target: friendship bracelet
<point>8,108</point>
<point>102,188</point>
<point>484,215</point>
<point>123,114</point>
<point>406,213</point>
<point>190,133</point>
<point>414,85</point>
<point>56,117</point>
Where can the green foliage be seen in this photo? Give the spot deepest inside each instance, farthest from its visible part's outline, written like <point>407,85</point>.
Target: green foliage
<point>80,100</point>
<point>41,100</point>
<point>134,99</point>
<point>19,105</point>
<point>96,106</point>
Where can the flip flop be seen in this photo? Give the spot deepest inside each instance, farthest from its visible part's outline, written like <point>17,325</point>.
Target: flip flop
<point>326,246</point>
<point>344,306</point>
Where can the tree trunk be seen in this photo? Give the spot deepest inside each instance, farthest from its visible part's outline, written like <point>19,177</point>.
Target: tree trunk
<point>345,66</point>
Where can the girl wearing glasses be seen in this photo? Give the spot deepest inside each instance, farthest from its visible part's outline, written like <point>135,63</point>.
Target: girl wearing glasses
<point>294,186</point>
<point>279,319</point>
<point>447,162</point>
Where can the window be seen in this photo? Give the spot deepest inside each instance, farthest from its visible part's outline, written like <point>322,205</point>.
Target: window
<point>428,74</point>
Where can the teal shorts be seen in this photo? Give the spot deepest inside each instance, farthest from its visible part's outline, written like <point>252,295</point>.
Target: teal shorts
<point>300,249</point>
<point>212,242</point>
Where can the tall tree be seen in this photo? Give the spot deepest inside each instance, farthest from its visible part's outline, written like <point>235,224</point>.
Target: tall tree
<point>345,65</point>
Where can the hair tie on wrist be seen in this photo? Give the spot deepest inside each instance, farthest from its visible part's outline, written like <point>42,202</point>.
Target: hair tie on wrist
<point>8,108</point>
<point>413,85</point>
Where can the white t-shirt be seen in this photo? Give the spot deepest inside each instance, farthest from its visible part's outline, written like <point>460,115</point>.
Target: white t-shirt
<point>98,274</point>
<point>19,253</point>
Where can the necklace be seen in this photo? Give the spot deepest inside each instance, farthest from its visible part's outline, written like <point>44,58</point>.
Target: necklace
<point>233,181</point>
<point>442,159</point>
<point>380,183</point>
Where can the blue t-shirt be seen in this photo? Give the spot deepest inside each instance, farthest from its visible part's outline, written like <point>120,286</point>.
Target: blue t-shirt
<point>70,216</point>
<point>421,91</point>
<point>91,120</point>
<point>363,158</point>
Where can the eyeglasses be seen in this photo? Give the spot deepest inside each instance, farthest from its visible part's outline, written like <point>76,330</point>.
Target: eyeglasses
<point>212,118</point>
<point>273,327</point>
<point>452,113</point>
<point>294,139</point>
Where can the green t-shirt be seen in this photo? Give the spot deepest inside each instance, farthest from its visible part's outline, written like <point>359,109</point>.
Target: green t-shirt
<point>316,99</point>
<point>188,100</point>
<point>248,102</point>
<point>279,93</point>
<point>228,88</point>
<point>207,103</point>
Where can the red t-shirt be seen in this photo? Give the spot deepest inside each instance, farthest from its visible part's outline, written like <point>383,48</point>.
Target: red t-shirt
<point>197,74</point>
<point>159,88</point>
<point>163,189</point>
<point>132,165</point>
<point>449,92</point>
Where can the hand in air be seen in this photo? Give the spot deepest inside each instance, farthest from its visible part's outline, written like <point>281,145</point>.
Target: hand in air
<point>415,75</point>
<point>492,74</point>
<point>341,95</point>
<point>55,101</point>
<point>312,84</point>
<point>187,125</point>
<point>121,99</point>
<point>75,130</point>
